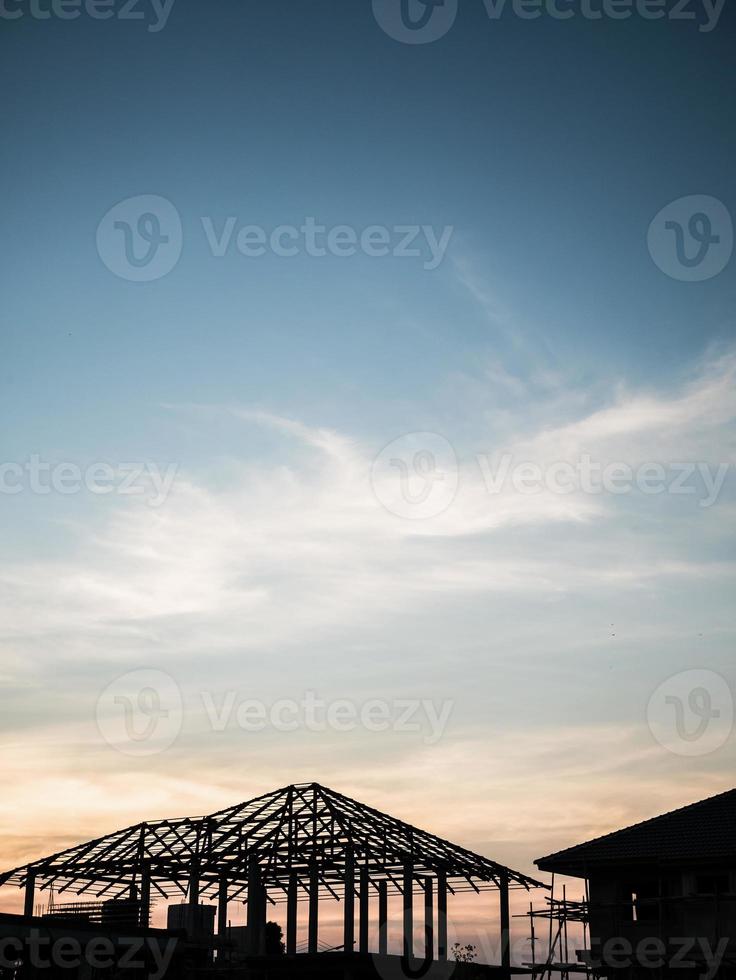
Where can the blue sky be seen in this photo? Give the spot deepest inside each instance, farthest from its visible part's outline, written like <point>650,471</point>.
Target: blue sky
<point>270,384</point>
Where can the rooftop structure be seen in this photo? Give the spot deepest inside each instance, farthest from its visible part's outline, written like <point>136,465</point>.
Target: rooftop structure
<point>302,841</point>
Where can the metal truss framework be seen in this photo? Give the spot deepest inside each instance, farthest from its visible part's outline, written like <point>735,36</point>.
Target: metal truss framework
<point>300,841</point>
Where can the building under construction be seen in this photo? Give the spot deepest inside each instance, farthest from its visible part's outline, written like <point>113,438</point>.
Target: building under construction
<point>297,847</point>
<point>659,900</point>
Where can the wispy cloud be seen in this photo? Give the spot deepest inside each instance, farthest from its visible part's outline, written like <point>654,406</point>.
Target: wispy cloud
<point>292,558</point>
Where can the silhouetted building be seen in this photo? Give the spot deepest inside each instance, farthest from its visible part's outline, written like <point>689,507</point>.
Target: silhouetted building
<point>197,921</point>
<point>301,845</point>
<point>661,894</point>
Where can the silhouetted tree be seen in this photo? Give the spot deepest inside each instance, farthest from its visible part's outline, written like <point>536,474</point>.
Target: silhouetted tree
<point>274,940</point>
<point>464,954</point>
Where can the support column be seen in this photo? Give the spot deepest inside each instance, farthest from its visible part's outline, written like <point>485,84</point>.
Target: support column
<point>144,913</point>
<point>194,885</point>
<point>441,916</point>
<point>428,920</point>
<point>408,910</point>
<point>349,907</point>
<point>365,884</point>
<point>30,893</point>
<point>256,922</point>
<point>262,916</point>
<point>291,913</point>
<point>383,918</point>
<point>503,894</point>
<point>313,944</point>
<point>222,897</point>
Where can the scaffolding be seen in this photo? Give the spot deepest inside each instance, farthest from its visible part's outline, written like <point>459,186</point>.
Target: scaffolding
<point>557,915</point>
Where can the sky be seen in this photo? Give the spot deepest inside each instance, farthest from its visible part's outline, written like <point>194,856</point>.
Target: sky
<point>368,402</point>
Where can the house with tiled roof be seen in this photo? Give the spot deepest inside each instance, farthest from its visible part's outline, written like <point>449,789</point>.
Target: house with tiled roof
<point>661,893</point>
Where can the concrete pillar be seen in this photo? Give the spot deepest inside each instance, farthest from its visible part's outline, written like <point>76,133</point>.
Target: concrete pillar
<point>313,944</point>
<point>349,906</point>
<point>30,893</point>
<point>503,894</point>
<point>383,918</point>
<point>291,913</point>
<point>365,884</point>
<point>194,885</point>
<point>222,911</point>
<point>144,915</point>
<point>256,922</point>
<point>428,920</point>
<point>441,916</point>
<point>408,910</point>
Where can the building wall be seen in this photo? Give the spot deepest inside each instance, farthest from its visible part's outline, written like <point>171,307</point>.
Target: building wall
<point>689,914</point>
